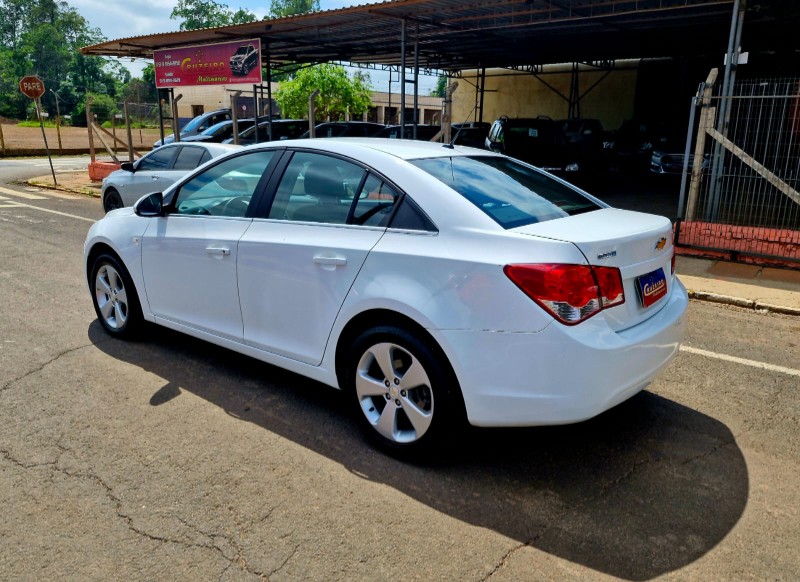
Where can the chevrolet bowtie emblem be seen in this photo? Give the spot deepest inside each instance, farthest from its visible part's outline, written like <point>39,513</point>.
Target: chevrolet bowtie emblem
<point>661,243</point>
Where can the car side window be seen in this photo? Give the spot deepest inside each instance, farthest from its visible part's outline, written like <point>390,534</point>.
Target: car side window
<point>224,189</point>
<point>159,159</point>
<point>316,188</point>
<point>189,158</point>
<point>375,203</point>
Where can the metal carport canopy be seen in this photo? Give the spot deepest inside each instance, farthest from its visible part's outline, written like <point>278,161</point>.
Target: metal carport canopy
<point>465,34</point>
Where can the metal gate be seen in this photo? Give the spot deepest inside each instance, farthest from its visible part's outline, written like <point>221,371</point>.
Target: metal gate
<point>739,192</point>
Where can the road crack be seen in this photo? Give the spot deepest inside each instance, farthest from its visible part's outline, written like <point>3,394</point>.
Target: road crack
<point>41,367</point>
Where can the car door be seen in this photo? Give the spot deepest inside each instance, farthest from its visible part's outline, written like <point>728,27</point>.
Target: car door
<point>147,176</point>
<point>189,254</point>
<point>188,158</point>
<point>298,263</point>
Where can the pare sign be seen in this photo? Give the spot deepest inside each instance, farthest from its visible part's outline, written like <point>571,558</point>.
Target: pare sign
<point>31,86</point>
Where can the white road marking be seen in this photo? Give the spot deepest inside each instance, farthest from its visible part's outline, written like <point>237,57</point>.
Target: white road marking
<point>22,194</point>
<point>10,205</point>
<point>20,205</point>
<point>742,361</point>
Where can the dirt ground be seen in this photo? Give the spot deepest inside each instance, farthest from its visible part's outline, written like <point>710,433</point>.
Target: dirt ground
<point>18,138</point>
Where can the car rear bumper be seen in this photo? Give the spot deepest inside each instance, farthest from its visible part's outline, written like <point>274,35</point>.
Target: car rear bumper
<point>562,374</point>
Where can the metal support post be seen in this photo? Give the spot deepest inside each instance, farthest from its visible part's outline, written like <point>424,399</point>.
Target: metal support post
<point>160,115</point>
<point>255,109</point>
<point>731,60</point>
<point>416,81</point>
<point>403,79</point>
<point>269,96</point>
<point>483,91</point>
<point>38,105</point>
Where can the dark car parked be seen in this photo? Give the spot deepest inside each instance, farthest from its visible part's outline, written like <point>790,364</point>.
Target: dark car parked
<point>471,134</point>
<point>572,148</point>
<point>244,59</point>
<point>345,129</point>
<point>424,132</point>
<point>537,141</point>
<point>220,132</point>
<point>281,129</point>
<point>198,125</point>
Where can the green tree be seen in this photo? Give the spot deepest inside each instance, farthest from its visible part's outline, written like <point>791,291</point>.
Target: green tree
<point>440,88</point>
<point>338,93</point>
<point>282,8</point>
<point>44,37</point>
<point>208,14</point>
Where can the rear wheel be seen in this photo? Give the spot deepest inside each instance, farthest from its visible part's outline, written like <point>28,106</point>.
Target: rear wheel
<point>406,399</point>
<point>114,297</point>
<point>112,200</point>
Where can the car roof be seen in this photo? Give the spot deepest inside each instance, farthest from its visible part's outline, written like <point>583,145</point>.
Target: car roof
<point>405,149</point>
<point>220,147</point>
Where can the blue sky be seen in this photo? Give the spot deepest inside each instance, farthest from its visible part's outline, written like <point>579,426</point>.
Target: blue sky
<point>121,19</point>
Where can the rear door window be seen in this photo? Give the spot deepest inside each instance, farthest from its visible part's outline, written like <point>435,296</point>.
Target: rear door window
<point>512,194</point>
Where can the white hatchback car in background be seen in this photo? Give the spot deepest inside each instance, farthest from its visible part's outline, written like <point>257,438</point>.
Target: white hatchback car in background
<point>155,171</point>
<point>433,284</point>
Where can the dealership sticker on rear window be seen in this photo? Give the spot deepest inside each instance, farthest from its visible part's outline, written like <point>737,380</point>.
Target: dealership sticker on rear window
<point>651,287</point>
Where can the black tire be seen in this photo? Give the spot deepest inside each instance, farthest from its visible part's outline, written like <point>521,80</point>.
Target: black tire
<point>114,297</point>
<point>422,438</point>
<point>112,200</point>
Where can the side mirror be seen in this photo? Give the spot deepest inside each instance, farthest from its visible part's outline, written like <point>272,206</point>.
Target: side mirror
<point>128,167</point>
<point>150,205</point>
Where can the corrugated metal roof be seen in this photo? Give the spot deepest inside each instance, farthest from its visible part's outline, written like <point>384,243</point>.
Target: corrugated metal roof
<point>463,34</point>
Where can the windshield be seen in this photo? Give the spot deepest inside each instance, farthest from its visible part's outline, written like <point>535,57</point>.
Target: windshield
<point>510,193</point>
<point>192,125</point>
<point>242,50</point>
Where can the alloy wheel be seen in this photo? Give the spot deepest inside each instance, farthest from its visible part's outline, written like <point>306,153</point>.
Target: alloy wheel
<point>394,392</point>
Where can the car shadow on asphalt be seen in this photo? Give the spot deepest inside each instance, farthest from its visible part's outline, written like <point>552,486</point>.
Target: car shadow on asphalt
<point>644,489</point>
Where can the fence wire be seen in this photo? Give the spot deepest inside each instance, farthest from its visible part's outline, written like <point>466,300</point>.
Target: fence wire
<point>751,178</point>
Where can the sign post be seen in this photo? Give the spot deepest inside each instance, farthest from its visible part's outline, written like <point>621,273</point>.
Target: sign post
<point>33,88</point>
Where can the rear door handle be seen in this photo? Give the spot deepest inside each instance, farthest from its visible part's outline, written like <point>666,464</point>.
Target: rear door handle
<point>334,261</point>
<point>218,251</point>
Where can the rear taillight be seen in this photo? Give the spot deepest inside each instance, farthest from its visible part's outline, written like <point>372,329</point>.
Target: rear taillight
<point>571,293</point>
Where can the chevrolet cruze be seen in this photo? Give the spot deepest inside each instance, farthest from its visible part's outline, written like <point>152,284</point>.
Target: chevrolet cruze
<point>434,284</point>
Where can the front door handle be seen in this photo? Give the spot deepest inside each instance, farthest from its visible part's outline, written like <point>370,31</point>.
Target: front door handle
<point>218,251</point>
<point>332,261</point>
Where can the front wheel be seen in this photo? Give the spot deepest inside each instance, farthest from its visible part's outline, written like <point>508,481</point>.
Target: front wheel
<point>112,200</point>
<point>407,399</point>
<point>114,297</point>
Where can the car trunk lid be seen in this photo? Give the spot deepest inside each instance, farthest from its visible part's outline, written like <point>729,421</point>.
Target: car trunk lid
<point>639,245</point>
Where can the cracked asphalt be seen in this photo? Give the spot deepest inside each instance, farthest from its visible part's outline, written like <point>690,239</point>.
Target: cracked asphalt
<point>169,458</point>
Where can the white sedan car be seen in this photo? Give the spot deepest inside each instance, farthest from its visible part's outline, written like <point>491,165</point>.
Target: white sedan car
<point>433,284</point>
<point>156,171</point>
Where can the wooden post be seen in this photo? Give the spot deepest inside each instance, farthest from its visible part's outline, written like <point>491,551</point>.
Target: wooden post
<point>89,122</point>
<point>58,124</point>
<point>175,129</point>
<point>2,141</point>
<point>312,113</point>
<point>707,114</point>
<point>235,116</point>
<point>448,110</point>
<point>114,132</point>
<point>128,129</point>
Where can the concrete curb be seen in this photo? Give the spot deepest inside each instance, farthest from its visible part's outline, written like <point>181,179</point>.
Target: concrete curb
<point>43,182</point>
<point>744,303</point>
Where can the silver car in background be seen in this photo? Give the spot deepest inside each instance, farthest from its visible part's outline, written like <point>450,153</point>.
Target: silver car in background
<point>154,172</point>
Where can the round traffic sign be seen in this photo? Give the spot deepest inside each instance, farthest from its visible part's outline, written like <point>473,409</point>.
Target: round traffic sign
<point>31,86</point>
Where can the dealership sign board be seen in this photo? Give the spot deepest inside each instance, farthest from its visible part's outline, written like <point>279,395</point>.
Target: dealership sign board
<point>209,64</point>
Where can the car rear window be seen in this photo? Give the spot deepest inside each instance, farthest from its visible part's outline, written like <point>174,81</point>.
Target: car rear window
<point>512,194</point>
